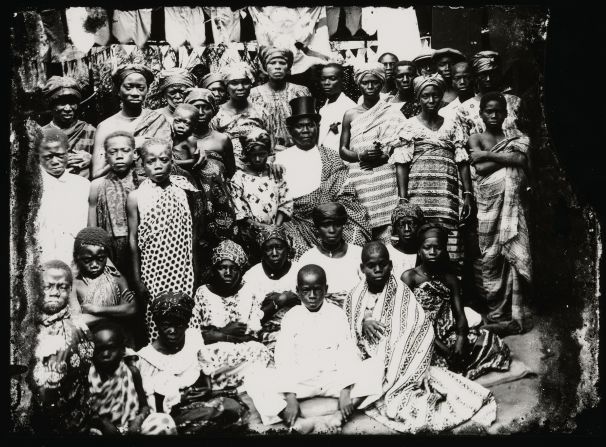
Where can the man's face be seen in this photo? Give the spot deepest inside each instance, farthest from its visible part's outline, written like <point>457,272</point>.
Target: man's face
<point>377,267</point>
<point>157,162</point>
<point>205,111</point>
<point>312,289</point>
<point>330,79</point>
<point>370,86</point>
<point>493,114</point>
<point>175,95</point>
<point>239,89</point>
<point>404,76</point>
<point>64,110</point>
<point>430,98</point>
<point>444,67</point>
<point>133,89</point>
<point>405,228</point>
<point>228,273</point>
<point>488,80</point>
<point>108,351</point>
<point>304,132</point>
<point>53,157</point>
<point>91,260</point>
<point>120,154</point>
<point>182,122</point>
<point>330,231</point>
<point>56,290</point>
<point>277,69</point>
<point>389,62</point>
<point>275,253</point>
<point>218,91</point>
<point>461,78</point>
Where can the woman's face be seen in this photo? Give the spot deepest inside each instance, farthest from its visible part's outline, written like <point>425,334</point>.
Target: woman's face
<point>430,98</point>
<point>432,250</point>
<point>228,274</point>
<point>239,89</point>
<point>64,110</point>
<point>133,89</point>
<point>256,158</point>
<point>171,332</point>
<point>275,253</point>
<point>205,111</point>
<point>277,68</point>
<point>371,85</point>
<point>330,231</point>
<point>175,95</point>
<point>218,91</point>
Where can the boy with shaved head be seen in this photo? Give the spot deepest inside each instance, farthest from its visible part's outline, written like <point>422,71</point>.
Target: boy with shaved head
<point>314,356</point>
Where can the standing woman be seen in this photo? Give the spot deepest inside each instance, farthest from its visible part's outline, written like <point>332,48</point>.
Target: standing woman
<point>131,82</point>
<point>238,115</point>
<point>434,165</point>
<point>174,85</point>
<point>214,83</point>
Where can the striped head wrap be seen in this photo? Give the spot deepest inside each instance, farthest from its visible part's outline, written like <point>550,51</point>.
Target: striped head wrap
<point>485,61</point>
<point>58,86</point>
<point>124,70</point>
<point>175,76</point>
<point>376,69</point>
<point>421,82</point>
<point>202,94</point>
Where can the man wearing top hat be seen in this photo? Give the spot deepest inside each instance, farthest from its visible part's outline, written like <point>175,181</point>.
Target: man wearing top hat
<point>316,175</point>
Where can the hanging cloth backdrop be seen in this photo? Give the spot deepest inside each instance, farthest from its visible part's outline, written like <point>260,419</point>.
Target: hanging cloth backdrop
<point>87,27</point>
<point>398,32</point>
<point>184,24</point>
<point>132,26</point>
<point>225,24</point>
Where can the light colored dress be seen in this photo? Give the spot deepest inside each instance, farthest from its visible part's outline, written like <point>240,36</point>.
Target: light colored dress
<point>401,261</point>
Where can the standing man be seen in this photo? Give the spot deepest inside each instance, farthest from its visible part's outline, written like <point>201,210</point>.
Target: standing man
<point>462,82</point>
<point>405,100</point>
<point>63,95</point>
<point>443,60</point>
<point>337,103</point>
<point>423,63</point>
<point>389,61</point>
<point>64,203</point>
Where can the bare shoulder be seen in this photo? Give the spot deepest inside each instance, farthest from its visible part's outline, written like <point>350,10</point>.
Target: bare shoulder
<point>409,277</point>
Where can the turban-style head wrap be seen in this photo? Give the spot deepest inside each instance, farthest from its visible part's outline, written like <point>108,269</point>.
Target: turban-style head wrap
<point>433,230</point>
<point>173,306</point>
<point>175,76</point>
<point>329,211</point>
<point>421,82</point>
<point>407,210</point>
<point>485,60</point>
<point>255,137</point>
<point>376,69</point>
<point>273,232</point>
<point>202,94</point>
<point>58,86</point>
<point>237,70</point>
<point>124,70</point>
<point>211,78</point>
<point>229,250</point>
<point>268,53</point>
<point>93,236</point>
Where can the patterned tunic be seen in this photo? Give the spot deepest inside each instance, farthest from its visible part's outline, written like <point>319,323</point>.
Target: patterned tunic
<point>277,108</point>
<point>487,353</point>
<point>104,289</point>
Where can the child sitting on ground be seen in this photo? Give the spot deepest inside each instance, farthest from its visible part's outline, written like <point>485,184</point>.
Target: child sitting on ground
<point>184,143</point>
<point>100,288</point>
<point>118,399</point>
<point>314,356</point>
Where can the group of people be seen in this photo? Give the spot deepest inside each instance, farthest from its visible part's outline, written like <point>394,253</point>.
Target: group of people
<point>248,240</point>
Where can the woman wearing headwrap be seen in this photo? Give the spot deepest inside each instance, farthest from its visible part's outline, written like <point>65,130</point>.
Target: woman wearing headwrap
<point>173,85</point>
<point>274,280</point>
<point>458,347</point>
<point>131,83</point>
<point>434,163</point>
<point>214,83</point>
<point>63,95</point>
<point>229,314</point>
<point>274,96</point>
<point>405,221</point>
<point>238,115</point>
<point>369,141</point>
<point>214,168</point>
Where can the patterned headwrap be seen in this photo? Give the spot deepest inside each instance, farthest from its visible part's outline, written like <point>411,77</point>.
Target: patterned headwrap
<point>58,86</point>
<point>211,78</point>
<point>201,94</point>
<point>237,70</point>
<point>273,232</point>
<point>407,210</point>
<point>485,60</point>
<point>173,305</point>
<point>231,251</point>
<point>93,236</point>
<point>329,210</point>
<point>175,76</point>
<point>255,137</point>
<point>377,69</point>
<point>420,82</point>
<point>124,70</point>
<point>266,54</point>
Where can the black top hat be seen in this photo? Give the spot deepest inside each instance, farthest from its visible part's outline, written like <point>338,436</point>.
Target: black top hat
<point>303,106</point>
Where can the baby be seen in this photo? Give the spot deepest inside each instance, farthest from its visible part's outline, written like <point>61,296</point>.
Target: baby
<point>184,143</point>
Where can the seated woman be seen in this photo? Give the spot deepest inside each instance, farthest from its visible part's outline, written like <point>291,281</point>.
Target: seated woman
<point>405,220</point>
<point>472,352</point>
<point>340,260</point>
<point>229,316</point>
<point>274,280</point>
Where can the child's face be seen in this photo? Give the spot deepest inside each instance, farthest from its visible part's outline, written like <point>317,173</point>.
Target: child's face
<point>91,260</point>
<point>108,352</point>
<point>405,228</point>
<point>182,123</point>
<point>493,114</point>
<point>120,154</point>
<point>377,268</point>
<point>312,289</point>
<point>432,250</point>
<point>330,231</point>
<point>229,273</point>
<point>56,290</point>
<point>157,162</point>
<point>275,253</point>
<point>53,157</point>
<point>256,158</point>
<point>171,332</point>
